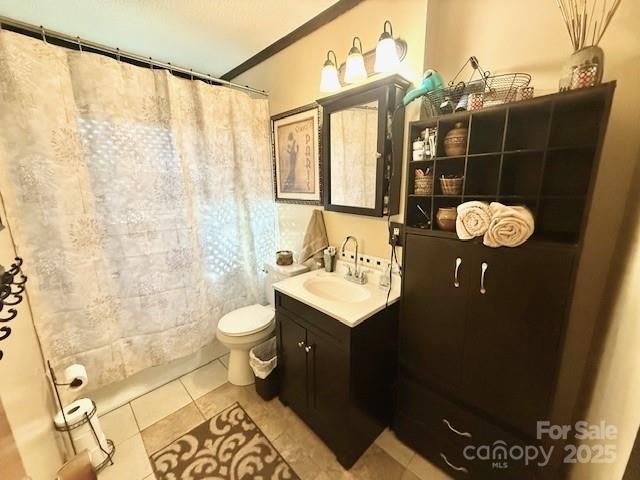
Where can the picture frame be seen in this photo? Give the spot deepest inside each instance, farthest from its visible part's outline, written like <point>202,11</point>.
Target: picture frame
<point>295,147</point>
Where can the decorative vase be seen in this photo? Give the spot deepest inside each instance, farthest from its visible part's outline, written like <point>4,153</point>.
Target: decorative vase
<point>587,56</point>
<point>455,142</point>
<point>446,218</point>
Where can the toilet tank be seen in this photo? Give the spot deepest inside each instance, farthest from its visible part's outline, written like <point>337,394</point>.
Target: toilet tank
<point>275,273</point>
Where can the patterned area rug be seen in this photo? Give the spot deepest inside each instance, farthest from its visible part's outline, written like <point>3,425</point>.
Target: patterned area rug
<point>228,446</point>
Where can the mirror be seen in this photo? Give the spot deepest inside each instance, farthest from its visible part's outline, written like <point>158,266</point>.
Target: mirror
<point>354,155</point>
<point>362,144</point>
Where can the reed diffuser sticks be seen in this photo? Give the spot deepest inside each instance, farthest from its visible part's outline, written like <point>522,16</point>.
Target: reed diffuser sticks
<point>584,19</point>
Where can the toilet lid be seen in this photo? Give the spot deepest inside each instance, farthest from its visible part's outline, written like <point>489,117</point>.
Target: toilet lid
<point>246,320</point>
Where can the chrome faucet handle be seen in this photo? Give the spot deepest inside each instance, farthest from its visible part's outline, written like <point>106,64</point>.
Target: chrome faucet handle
<point>362,276</point>
<point>348,272</point>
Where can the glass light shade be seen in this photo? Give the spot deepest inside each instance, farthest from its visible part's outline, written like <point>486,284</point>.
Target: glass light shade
<point>329,81</point>
<point>386,55</point>
<point>355,72</point>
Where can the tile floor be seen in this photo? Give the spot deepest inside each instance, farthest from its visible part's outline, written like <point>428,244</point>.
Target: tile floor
<point>154,420</point>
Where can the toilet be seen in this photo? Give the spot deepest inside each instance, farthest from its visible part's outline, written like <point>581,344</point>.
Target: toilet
<point>246,327</point>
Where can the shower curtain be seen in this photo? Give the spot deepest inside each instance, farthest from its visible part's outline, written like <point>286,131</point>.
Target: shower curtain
<point>140,202</point>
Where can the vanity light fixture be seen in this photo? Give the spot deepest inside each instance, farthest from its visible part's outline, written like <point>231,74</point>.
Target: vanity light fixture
<point>356,71</point>
<point>329,81</point>
<point>386,52</point>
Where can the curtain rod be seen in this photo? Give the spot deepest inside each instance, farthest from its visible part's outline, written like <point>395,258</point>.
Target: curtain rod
<point>120,54</point>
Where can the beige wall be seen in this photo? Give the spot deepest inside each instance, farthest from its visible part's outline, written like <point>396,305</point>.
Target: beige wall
<point>292,78</point>
<point>615,391</point>
<point>506,36</point>
<point>24,390</point>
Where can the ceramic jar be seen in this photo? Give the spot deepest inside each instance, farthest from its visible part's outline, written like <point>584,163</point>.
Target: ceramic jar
<point>446,218</point>
<point>455,142</point>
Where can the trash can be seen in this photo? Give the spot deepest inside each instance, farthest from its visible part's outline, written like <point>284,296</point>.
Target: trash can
<point>263,359</point>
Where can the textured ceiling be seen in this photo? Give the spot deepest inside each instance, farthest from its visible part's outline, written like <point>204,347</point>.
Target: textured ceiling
<point>211,36</point>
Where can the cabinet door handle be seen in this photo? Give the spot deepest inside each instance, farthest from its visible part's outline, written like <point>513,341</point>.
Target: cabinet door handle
<point>454,430</point>
<point>300,344</point>
<point>485,266</point>
<point>452,466</point>
<point>307,348</point>
<point>456,283</point>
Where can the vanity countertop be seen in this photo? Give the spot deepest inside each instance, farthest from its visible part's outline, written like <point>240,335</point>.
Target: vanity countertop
<point>330,293</point>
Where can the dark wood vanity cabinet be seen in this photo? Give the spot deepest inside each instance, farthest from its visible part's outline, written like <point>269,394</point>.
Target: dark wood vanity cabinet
<point>338,379</point>
<point>482,330</point>
<point>498,349</point>
<point>484,364</point>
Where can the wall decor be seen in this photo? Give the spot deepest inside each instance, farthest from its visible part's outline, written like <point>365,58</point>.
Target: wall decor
<point>295,137</point>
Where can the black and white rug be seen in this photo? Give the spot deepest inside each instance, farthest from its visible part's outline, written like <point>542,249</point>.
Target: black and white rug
<point>228,446</point>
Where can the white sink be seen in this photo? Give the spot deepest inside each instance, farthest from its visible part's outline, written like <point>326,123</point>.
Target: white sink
<point>345,301</point>
<point>336,289</point>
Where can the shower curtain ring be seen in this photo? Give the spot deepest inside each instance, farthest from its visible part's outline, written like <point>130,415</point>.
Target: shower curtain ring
<point>42,32</point>
<point>151,63</point>
<point>170,68</point>
<point>118,54</point>
<point>191,70</point>
<point>79,44</point>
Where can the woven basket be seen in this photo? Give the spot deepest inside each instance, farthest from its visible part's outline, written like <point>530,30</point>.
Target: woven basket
<point>451,186</point>
<point>423,185</point>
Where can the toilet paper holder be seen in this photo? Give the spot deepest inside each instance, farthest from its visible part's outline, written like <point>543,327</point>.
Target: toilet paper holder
<point>69,427</point>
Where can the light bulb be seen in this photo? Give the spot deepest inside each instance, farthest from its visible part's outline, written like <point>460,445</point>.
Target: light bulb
<point>329,81</point>
<point>386,52</point>
<point>355,71</point>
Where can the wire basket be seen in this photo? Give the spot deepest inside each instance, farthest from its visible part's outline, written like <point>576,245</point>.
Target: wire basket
<point>496,88</point>
<point>423,185</point>
<point>451,186</point>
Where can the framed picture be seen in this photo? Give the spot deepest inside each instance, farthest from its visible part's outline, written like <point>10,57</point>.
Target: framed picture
<point>296,155</point>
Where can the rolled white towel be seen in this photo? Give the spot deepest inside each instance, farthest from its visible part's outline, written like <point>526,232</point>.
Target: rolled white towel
<point>509,227</point>
<point>473,219</point>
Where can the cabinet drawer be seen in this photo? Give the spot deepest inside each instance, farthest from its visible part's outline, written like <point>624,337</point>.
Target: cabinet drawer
<point>435,448</point>
<point>310,317</point>
<point>453,425</point>
<point>449,456</point>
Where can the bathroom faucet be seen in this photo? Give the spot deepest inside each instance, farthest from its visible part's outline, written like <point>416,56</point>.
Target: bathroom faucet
<point>356,276</point>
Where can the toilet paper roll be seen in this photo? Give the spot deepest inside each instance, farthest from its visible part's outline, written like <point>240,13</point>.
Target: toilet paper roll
<point>76,377</point>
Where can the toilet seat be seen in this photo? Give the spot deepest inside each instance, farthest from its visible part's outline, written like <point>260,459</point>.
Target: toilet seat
<point>246,320</point>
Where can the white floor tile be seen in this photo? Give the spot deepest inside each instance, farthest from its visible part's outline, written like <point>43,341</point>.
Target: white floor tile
<point>159,403</point>
<point>203,380</point>
<point>225,360</point>
<point>130,462</point>
<point>120,424</point>
<point>394,447</point>
<point>425,470</point>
